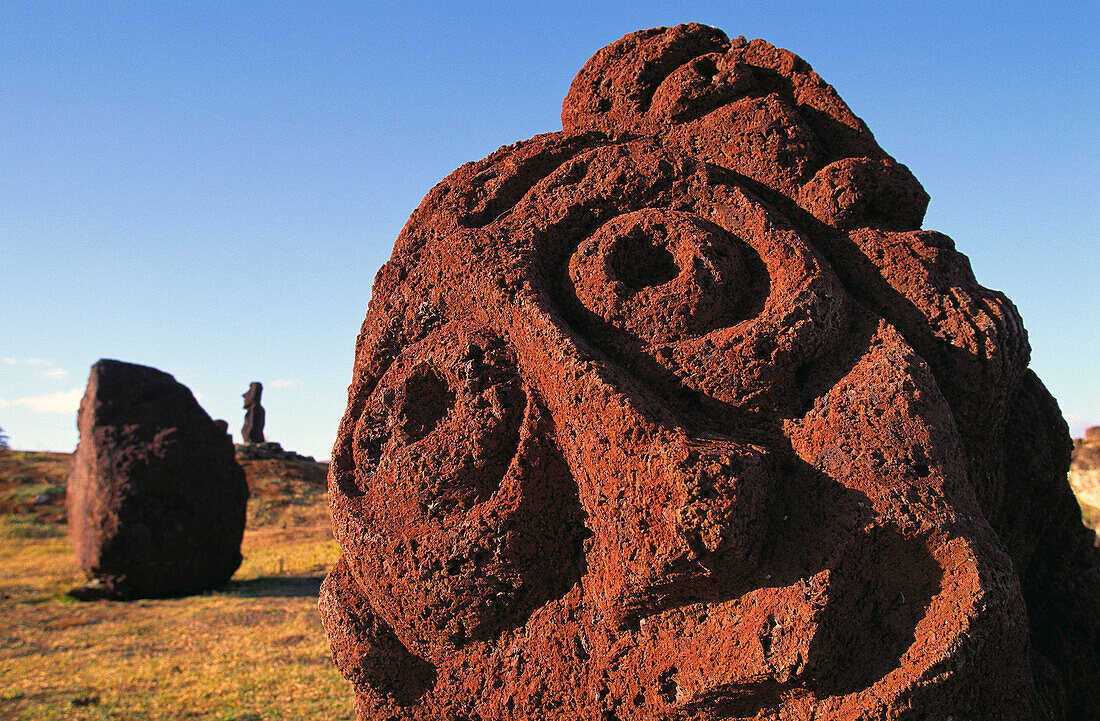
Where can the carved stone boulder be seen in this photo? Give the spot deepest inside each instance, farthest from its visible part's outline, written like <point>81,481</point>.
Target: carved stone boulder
<point>679,414</point>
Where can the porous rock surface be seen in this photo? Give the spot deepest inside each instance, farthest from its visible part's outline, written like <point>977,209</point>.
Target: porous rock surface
<point>678,414</point>
<point>156,500</point>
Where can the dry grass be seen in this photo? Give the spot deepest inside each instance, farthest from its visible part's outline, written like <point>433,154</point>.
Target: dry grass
<point>253,650</point>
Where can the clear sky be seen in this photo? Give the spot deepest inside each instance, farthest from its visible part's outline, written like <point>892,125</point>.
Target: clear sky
<point>209,188</point>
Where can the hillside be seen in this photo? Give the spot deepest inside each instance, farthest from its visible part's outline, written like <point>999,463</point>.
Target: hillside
<point>32,488</point>
<point>283,494</point>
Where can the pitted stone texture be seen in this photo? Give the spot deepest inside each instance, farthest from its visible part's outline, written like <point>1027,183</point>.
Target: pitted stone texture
<point>156,501</point>
<point>678,414</point>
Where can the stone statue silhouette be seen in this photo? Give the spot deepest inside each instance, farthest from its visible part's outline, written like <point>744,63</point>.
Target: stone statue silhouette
<point>253,429</point>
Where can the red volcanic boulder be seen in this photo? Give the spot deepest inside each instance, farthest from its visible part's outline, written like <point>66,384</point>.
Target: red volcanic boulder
<point>156,500</point>
<point>677,413</point>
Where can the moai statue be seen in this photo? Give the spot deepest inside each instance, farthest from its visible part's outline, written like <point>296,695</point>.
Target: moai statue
<point>253,429</point>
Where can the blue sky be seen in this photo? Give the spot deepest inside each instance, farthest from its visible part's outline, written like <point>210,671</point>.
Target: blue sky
<point>209,188</point>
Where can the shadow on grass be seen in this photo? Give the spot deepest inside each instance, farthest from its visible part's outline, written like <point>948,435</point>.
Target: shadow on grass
<point>275,586</point>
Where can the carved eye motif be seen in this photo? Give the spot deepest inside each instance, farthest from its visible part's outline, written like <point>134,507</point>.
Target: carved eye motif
<point>441,426</point>
<point>425,399</point>
<point>639,260</point>
<point>690,307</point>
<point>468,522</point>
<point>663,275</point>
<point>408,409</point>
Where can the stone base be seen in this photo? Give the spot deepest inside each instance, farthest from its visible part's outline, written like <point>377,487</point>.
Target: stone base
<point>269,450</point>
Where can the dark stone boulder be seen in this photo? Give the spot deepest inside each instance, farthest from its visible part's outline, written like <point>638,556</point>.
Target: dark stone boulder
<point>156,500</point>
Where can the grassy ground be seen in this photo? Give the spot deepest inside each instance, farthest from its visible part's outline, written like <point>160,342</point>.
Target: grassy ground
<point>249,652</point>
<point>253,650</point>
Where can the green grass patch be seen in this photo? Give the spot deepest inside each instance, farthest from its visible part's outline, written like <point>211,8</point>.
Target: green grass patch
<point>28,490</point>
<point>29,527</point>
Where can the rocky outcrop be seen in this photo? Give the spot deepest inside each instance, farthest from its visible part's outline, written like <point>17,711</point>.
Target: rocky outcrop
<point>678,414</point>
<point>156,501</point>
<point>269,451</point>
<point>1084,476</point>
